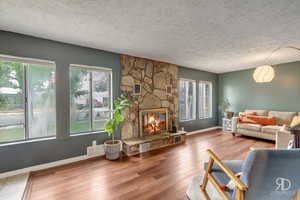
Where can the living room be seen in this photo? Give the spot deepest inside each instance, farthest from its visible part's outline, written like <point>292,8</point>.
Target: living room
<point>149,100</point>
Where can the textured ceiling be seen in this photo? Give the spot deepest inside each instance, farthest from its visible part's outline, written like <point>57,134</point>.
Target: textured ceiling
<point>212,35</point>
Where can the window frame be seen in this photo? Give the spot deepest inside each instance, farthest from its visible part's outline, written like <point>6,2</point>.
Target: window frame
<point>210,114</point>
<point>25,62</point>
<point>194,99</point>
<point>93,68</point>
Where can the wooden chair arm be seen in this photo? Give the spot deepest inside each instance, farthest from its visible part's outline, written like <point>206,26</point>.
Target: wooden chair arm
<point>228,171</point>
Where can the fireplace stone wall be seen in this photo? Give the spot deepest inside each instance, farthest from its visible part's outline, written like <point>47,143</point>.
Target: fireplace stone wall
<point>154,77</point>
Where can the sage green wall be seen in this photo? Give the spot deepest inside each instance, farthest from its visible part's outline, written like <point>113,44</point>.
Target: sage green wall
<point>282,94</point>
<point>20,155</point>
<point>199,75</point>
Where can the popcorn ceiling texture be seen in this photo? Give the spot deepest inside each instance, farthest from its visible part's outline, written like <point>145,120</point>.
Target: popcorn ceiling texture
<point>153,76</point>
<point>211,35</point>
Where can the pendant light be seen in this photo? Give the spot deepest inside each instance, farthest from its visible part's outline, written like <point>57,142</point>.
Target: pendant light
<point>266,73</point>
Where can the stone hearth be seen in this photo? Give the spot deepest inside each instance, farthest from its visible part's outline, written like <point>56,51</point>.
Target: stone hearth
<point>154,77</point>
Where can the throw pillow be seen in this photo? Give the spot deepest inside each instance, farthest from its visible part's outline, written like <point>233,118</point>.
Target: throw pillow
<point>295,121</point>
<point>243,116</point>
<point>263,120</point>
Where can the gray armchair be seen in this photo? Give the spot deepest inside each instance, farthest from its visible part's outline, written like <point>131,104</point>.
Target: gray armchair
<point>267,174</point>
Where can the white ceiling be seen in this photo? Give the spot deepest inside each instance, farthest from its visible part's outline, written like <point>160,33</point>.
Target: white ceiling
<point>212,35</point>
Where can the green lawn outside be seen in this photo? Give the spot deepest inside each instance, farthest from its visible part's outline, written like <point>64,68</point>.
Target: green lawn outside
<point>84,126</point>
<point>15,134</point>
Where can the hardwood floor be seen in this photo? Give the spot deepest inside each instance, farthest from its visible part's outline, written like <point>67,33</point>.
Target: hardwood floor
<point>160,174</point>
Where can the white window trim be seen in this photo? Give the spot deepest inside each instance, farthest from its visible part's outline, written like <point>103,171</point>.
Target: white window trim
<point>8,58</point>
<point>194,99</point>
<point>210,99</point>
<point>25,61</point>
<point>91,67</point>
<point>94,68</point>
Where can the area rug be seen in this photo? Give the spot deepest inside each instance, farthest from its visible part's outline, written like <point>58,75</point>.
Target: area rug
<point>193,191</point>
<point>12,188</point>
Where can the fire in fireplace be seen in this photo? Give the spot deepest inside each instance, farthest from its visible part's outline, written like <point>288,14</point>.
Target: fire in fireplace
<point>153,121</point>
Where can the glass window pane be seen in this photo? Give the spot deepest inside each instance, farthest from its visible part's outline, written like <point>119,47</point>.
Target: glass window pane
<point>41,101</point>
<point>182,100</point>
<point>201,100</point>
<point>101,98</point>
<point>187,100</point>
<point>12,117</point>
<point>80,120</point>
<point>205,97</point>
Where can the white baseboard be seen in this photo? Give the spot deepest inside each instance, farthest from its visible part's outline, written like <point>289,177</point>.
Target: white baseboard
<point>204,130</point>
<point>49,165</point>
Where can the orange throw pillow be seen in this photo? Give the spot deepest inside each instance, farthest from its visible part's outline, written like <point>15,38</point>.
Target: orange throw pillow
<point>263,120</point>
<point>243,116</point>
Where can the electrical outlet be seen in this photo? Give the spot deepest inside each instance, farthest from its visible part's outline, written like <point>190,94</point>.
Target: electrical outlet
<point>90,151</point>
<point>97,150</point>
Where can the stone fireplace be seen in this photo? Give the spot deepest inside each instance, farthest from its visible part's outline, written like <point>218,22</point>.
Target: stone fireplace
<point>157,99</point>
<point>153,122</point>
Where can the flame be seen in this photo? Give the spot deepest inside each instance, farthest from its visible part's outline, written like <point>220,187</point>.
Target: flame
<point>153,123</point>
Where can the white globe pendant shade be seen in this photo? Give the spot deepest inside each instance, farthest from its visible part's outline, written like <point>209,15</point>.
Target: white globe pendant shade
<point>264,74</point>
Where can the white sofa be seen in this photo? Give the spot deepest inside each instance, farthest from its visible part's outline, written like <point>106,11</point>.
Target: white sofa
<point>282,137</point>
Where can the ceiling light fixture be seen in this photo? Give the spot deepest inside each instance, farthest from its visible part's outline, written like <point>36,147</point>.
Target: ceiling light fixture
<point>266,73</point>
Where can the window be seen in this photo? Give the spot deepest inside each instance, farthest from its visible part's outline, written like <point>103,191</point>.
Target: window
<point>187,99</point>
<point>90,98</point>
<point>27,99</point>
<point>205,99</point>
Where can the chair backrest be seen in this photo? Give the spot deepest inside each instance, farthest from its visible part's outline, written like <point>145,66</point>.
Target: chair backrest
<point>271,174</point>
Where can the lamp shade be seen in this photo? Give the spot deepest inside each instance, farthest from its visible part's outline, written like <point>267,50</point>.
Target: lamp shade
<point>264,74</point>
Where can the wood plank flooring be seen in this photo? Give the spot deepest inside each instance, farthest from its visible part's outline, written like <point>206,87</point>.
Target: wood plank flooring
<point>160,174</point>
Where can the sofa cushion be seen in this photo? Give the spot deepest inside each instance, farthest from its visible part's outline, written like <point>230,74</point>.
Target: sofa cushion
<point>252,127</point>
<point>282,117</point>
<point>258,112</point>
<point>270,129</point>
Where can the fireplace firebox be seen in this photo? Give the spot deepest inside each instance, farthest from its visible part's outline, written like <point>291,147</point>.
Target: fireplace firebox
<point>153,122</point>
<point>153,133</point>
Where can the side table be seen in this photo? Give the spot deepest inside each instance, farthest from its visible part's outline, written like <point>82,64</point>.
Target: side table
<point>227,126</point>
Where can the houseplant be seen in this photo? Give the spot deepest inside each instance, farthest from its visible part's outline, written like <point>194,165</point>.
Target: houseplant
<point>224,106</point>
<point>113,147</point>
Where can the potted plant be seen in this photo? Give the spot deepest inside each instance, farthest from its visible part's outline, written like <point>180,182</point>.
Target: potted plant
<point>225,104</point>
<point>113,147</point>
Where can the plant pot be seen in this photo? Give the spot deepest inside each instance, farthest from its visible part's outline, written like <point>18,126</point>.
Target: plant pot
<point>112,149</point>
<point>228,115</point>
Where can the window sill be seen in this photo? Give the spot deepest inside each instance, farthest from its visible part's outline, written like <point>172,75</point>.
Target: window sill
<point>86,133</point>
<point>27,141</point>
<point>188,120</point>
<point>205,118</point>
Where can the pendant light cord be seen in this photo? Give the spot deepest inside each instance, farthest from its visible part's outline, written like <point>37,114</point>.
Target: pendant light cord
<point>277,49</point>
